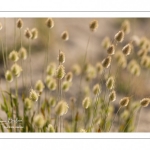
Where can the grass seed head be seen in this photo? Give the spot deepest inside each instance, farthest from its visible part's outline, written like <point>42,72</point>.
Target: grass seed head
<point>65,86</point>
<point>50,23</point>
<point>33,95</point>
<point>60,72</point>
<point>76,69</point>
<point>51,69</point>
<point>99,68</point>
<point>65,36</point>
<point>126,26</point>
<point>28,103</point>
<point>61,57</point>
<point>112,96</point>
<point>8,76</point>
<point>34,33</point>
<point>23,53</point>
<point>106,62</point>
<point>86,103</point>
<point>14,56</point>
<point>93,25</point>
<point>19,23</point>
<point>28,33</point>
<point>145,102</point>
<point>61,108</point>
<point>50,128</point>
<point>96,89</point>
<point>110,83</point>
<point>39,86</point>
<point>119,37</point>
<point>111,50</point>
<point>39,121</point>
<point>16,70</point>
<point>127,49</point>
<point>124,102</point>
<point>69,76</point>
<point>106,43</point>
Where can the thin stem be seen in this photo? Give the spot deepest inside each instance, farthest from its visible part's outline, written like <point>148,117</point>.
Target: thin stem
<point>115,117</point>
<point>6,44</point>
<point>30,62</point>
<point>138,118</point>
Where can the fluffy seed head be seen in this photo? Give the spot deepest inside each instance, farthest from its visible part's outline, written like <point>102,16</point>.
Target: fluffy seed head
<point>111,50</point>
<point>28,34</point>
<point>50,128</point>
<point>112,96</point>
<point>110,83</point>
<point>65,36</point>
<point>39,120</point>
<point>16,70</point>
<point>34,33</point>
<point>142,52</point>
<point>76,69</point>
<point>61,108</point>
<point>19,23</point>
<point>52,102</point>
<point>126,26</point>
<point>99,68</point>
<point>28,103</point>
<point>119,37</point>
<point>86,103</point>
<point>23,53</point>
<point>145,61</point>
<point>60,72</point>
<point>145,102</point>
<point>33,95</point>
<point>127,49</point>
<point>50,23</point>
<point>106,43</point>
<point>82,130</point>
<point>69,76</point>
<point>144,43</point>
<point>121,59</point>
<point>13,56</point>
<point>61,57</point>
<point>124,102</point>
<point>65,86</point>
<point>8,76</point>
<point>134,68</point>
<point>106,62</point>
<point>96,89</point>
<point>52,84</point>
<point>93,25</point>
<point>51,69</point>
<point>39,86</point>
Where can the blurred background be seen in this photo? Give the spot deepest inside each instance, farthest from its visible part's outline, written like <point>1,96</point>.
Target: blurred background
<point>74,49</point>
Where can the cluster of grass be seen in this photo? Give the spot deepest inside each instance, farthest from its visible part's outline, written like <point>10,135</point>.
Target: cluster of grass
<point>46,108</point>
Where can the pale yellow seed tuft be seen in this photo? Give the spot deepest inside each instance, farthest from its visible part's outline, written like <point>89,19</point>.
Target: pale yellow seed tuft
<point>50,23</point>
<point>124,102</point>
<point>106,62</point>
<point>112,96</point>
<point>86,103</point>
<point>33,95</point>
<point>16,70</point>
<point>39,86</point>
<point>106,43</point>
<point>145,102</point>
<point>76,69</point>
<point>127,49</point>
<point>111,50</point>
<point>8,76</point>
<point>69,76</point>
<point>50,128</point>
<point>51,69</point>
<point>34,33</point>
<point>28,103</point>
<point>126,26</point>
<point>96,89</point>
<point>28,34</point>
<point>61,108</point>
<point>110,83</point>
<point>119,37</point>
<point>14,56</point>
<point>39,121</point>
<point>99,68</point>
<point>23,53</point>
<point>65,36</point>
<point>19,23</point>
<point>94,25</point>
<point>61,57</point>
<point>60,72</point>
